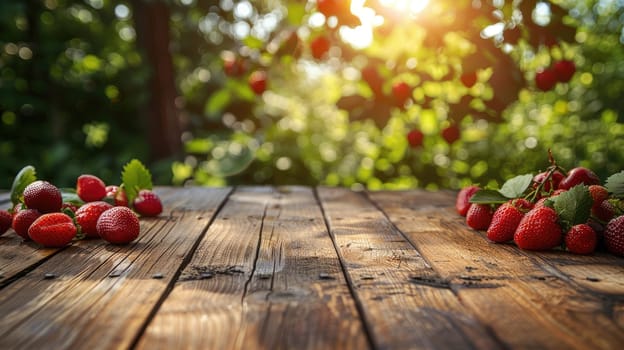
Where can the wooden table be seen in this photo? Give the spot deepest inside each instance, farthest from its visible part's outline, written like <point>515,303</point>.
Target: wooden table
<point>296,267</point>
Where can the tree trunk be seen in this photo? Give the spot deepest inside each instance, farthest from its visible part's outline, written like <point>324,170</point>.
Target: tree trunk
<point>161,115</point>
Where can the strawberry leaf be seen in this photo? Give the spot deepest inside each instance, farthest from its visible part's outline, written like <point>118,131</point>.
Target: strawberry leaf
<point>135,177</point>
<point>615,184</point>
<point>70,196</point>
<point>573,206</point>
<point>24,177</point>
<point>516,186</point>
<point>484,196</point>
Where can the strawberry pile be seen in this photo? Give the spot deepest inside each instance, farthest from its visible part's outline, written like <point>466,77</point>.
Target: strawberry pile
<point>53,217</point>
<point>554,209</point>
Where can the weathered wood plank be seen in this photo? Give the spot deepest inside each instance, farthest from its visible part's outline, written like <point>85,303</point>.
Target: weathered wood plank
<point>404,302</point>
<point>520,295</point>
<point>102,294</point>
<point>266,276</point>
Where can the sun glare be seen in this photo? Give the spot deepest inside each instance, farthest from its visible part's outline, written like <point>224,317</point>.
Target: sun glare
<point>412,6</point>
<point>362,35</point>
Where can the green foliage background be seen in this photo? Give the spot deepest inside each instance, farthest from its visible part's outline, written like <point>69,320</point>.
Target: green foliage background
<point>72,107</point>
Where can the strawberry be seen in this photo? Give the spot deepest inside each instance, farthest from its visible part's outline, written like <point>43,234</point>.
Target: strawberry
<point>118,225</point>
<point>538,230</point>
<point>564,70</point>
<point>581,239</point>
<point>598,193</point>
<point>319,47</point>
<point>88,215</point>
<point>67,206</point>
<point>90,188</point>
<point>22,221</point>
<point>43,196</point>
<point>504,223</point>
<point>614,235</point>
<point>258,82</point>
<point>462,202</point>
<point>545,79</point>
<point>451,133</point>
<point>401,93</point>
<point>469,79</point>
<point>479,216</point>
<point>53,230</point>
<point>604,211</point>
<point>5,221</point>
<point>116,195</point>
<point>147,203</point>
<point>415,138</point>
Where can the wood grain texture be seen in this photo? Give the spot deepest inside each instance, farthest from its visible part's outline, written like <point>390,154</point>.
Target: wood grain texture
<point>101,295</point>
<point>524,297</point>
<point>17,256</point>
<point>265,276</point>
<point>405,303</point>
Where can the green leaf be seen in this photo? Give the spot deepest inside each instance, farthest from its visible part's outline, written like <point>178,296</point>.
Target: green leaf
<point>70,196</point>
<point>135,177</point>
<point>515,187</point>
<point>217,102</point>
<point>573,206</point>
<point>615,184</point>
<point>484,196</point>
<point>24,177</point>
<point>235,161</point>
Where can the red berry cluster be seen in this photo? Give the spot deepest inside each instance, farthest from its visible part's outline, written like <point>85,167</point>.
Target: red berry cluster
<point>101,211</point>
<point>450,134</point>
<point>560,72</point>
<point>552,209</point>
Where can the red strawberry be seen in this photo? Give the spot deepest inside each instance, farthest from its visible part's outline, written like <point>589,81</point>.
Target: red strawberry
<point>462,202</point>
<point>604,211</point>
<point>545,79</point>
<point>415,138</point>
<point>539,230</point>
<point>88,215</point>
<point>5,221</point>
<point>53,230</point>
<point>90,188</point>
<point>564,70</point>
<point>581,239</point>
<point>577,176</point>
<point>479,216</point>
<point>118,225</point>
<point>22,221</point>
<point>147,203</point>
<point>614,235</point>
<point>504,223</point>
<point>258,82</point>
<point>233,66</point>
<point>69,206</point>
<point>401,92</point>
<point>598,194</point>
<point>117,195</point>
<point>319,46</point>
<point>43,196</point>
<point>469,79</point>
<point>451,133</point>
